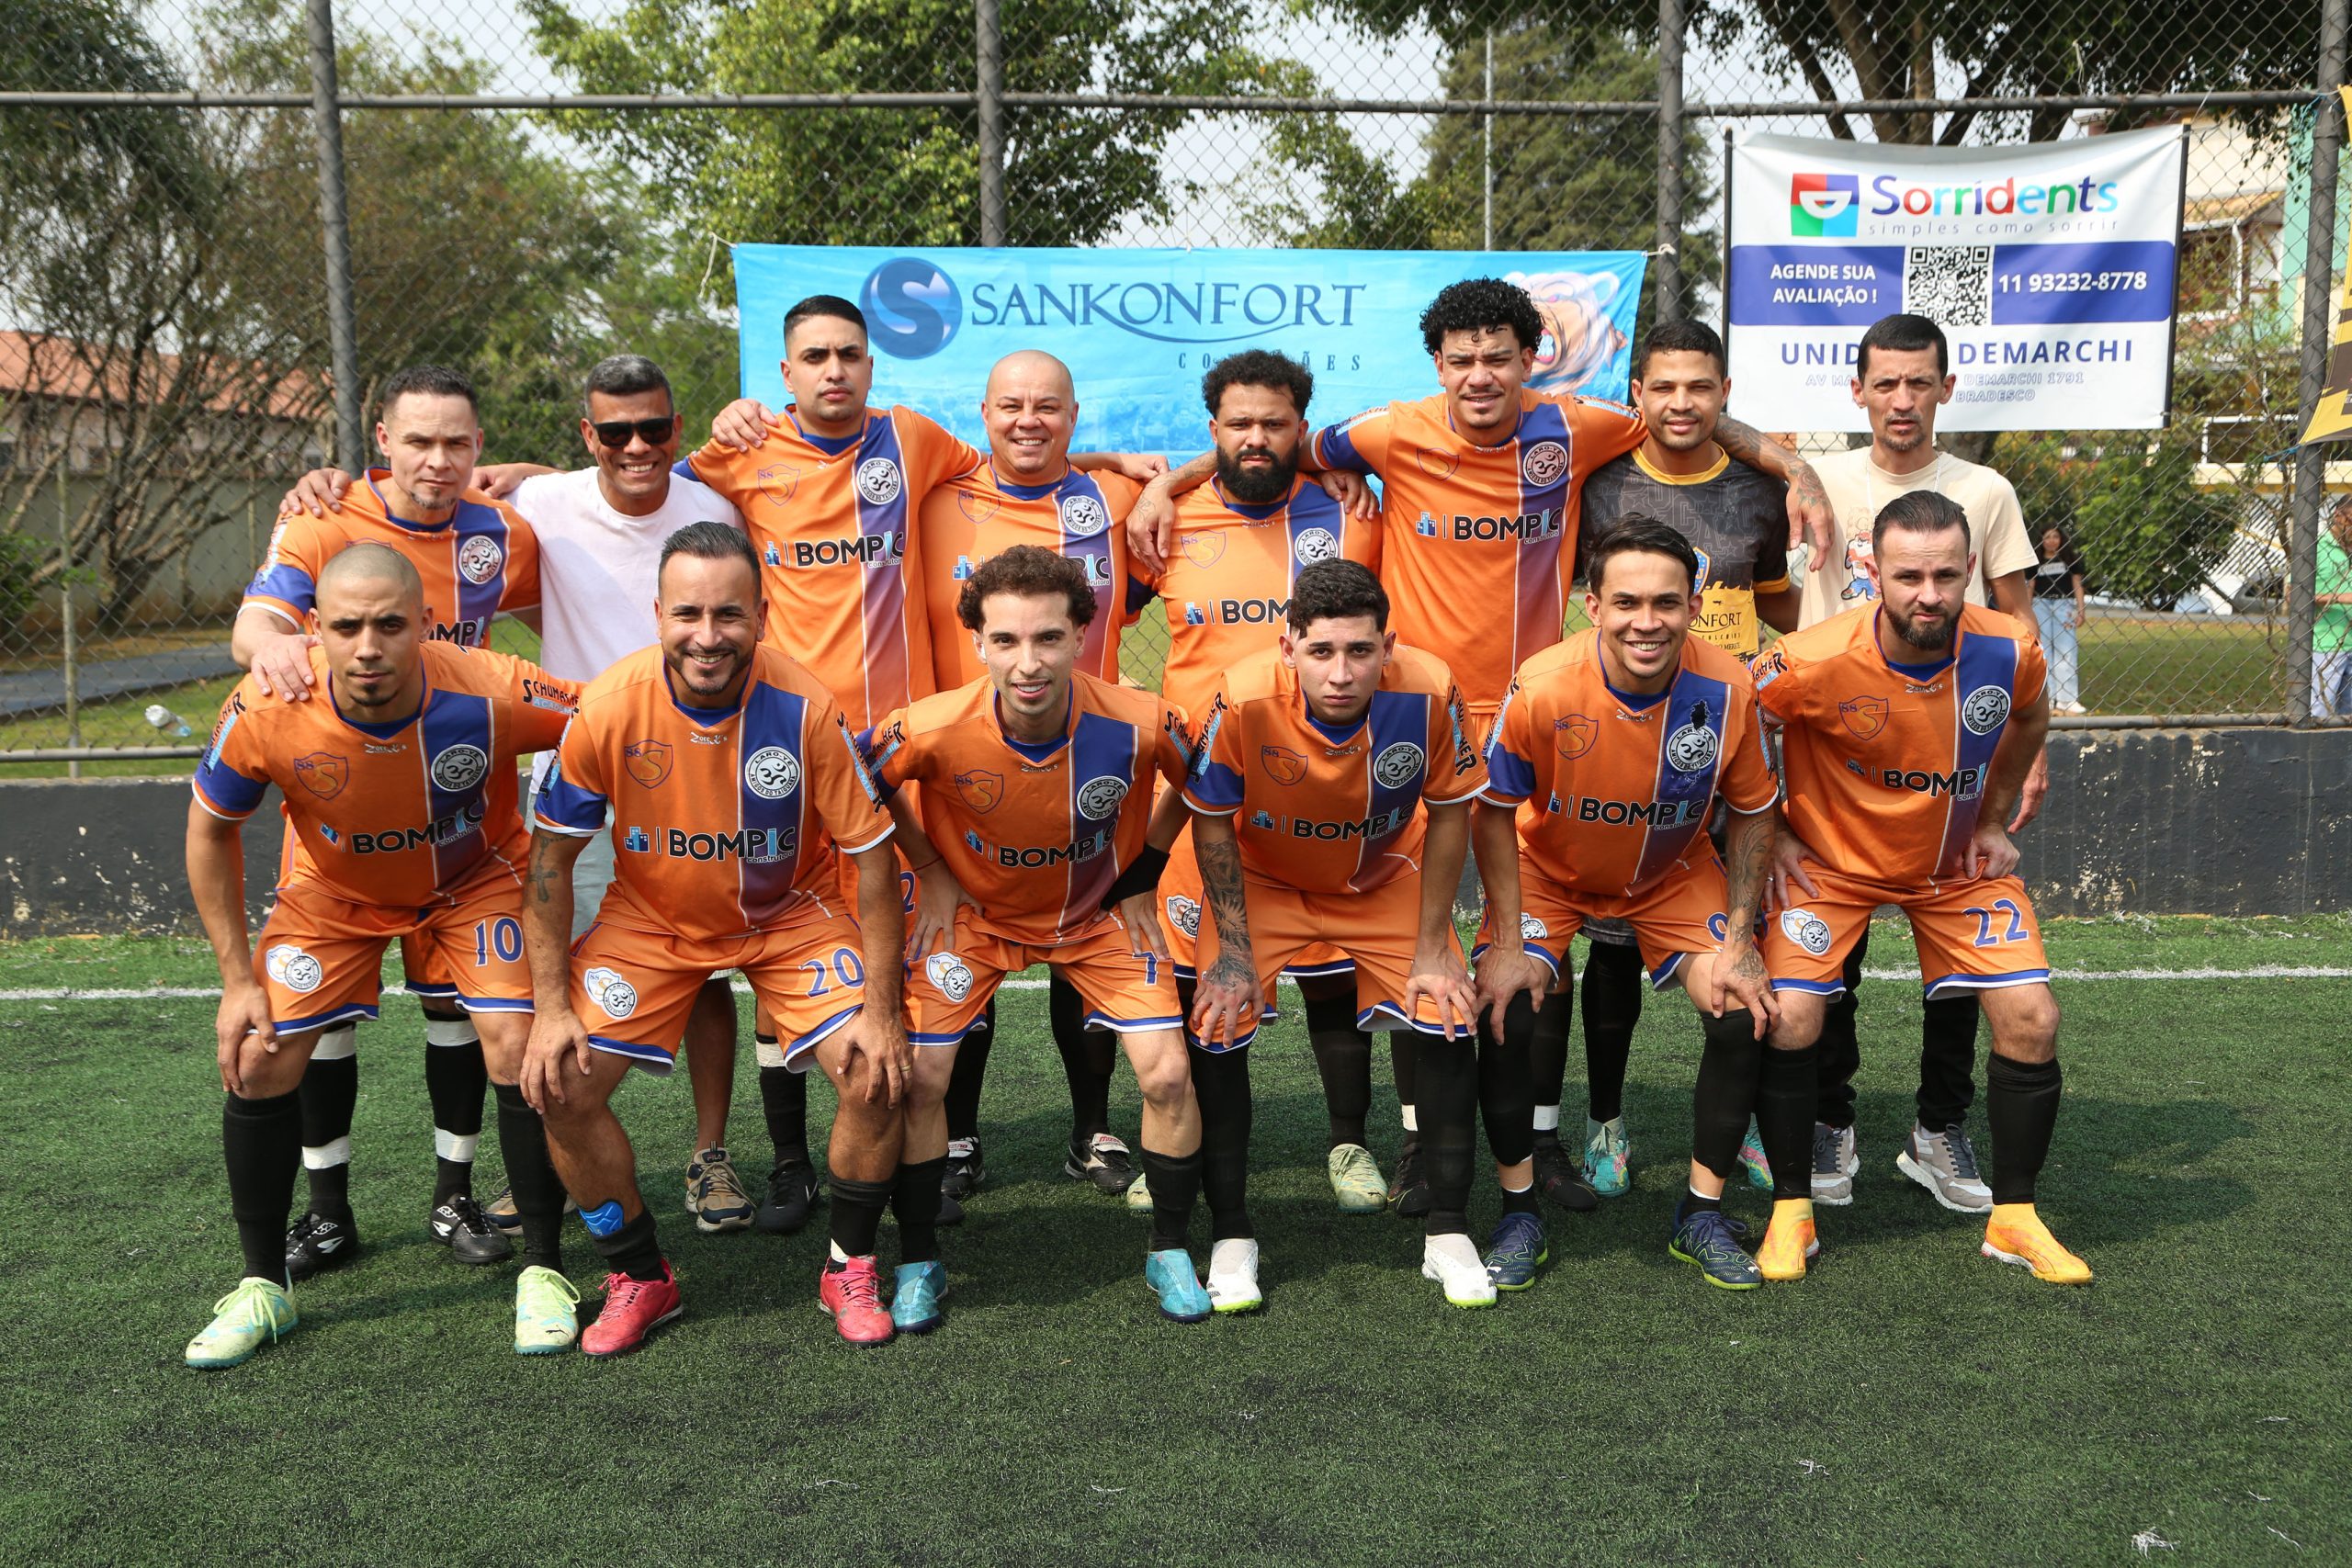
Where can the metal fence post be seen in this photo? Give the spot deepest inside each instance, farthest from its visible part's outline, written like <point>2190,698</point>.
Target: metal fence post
<point>2319,310</point>
<point>990,41</point>
<point>65,603</point>
<point>334,221</point>
<point>1669,161</point>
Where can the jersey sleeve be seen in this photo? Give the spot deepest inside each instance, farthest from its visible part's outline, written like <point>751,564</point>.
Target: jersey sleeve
<point>847,799</point>
<point>544,704</point>
<point>723,469</point>
<point>2033,670</point>
<point>1215,788</point>
<point>573,798</point>
<point>234,772</point>
<point>1510,751</point>
<point>1358,444</point>
<point>522,590</point>
<point>890,758</point>
<point>1605,431</point>
<point>1747,784</point>
<point>1779,684</point>
<point>1772,553</point>
<point>1461,776</point>
<point>1172,751</point>
<point>934,454</point>
<point>286,584</point>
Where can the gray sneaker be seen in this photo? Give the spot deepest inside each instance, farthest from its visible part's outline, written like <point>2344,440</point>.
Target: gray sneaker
<point>1833,1164</point>
<point>1945,1164</point>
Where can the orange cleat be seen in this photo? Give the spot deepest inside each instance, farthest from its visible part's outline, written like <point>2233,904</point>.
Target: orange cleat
<point>2016,1234</point>
<point>852,1292</point>
<point>1788,1242</point>
<point>633,1309</point>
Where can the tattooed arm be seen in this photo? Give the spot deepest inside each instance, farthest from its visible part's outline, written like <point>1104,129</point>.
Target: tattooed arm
<point>547,938</point>
<point>1739,973</point>
<point>1811,521</point>
<point>1229,1000</point>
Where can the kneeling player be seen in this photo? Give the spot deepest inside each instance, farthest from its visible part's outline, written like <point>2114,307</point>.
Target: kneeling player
<point>401,788</point>
<point>730,776</point>
<point>1033,817</point>
<point>1614,746</point>
<point>1909,727</point>
<point>1331,796</point>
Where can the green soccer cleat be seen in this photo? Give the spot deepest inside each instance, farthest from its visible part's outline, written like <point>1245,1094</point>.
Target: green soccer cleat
<point>256,1313</point>
<point>1140,1195</point>
<point>1356,1180</point>
<point>546,1313</point>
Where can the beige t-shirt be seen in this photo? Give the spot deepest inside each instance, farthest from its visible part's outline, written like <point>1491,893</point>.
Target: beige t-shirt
<point>1857,488</point>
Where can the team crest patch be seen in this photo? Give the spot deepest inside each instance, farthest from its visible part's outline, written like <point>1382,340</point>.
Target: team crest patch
<point>322,773</point>
<point>777,481</point>
<point>949,974</point>
<point>771,773</point>
<point>1204,549</point>
<point>1083,515</point>
<point>1706,564</point>
<point>1530,929</point>
<point>980,791</point>
<point>1806,929</point>
<point>978,505</point>
<point>460,768</point>
<point>1691,748</point>
<point>1314,545</point>
<point>1285,766</point>
<point>1574,735</point>
<point>878,481</point>
<point>1185,914</point>
<point>479,559</point>
<point>1099,798</point>
<point>1397,765</point>
<point>649,762</point>
<point>1986,709</point>
<point>293,968</point>
<point>1863,717</point>
<point>1543,463</point>
<point>608,990</point>
<point>1436,463</point>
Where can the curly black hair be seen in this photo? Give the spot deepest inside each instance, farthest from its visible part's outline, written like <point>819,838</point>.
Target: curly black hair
<point>1481,304</point>
<point>1258,367</point>
<point>1026,569</point>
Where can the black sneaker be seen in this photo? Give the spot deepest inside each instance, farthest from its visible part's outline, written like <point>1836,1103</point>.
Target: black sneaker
<point>461,1226</point>
<point>315,1244</point>
<point>1410,1190</point>
<point>1104,1162</point>
<point>951,1212</point>
<point>1559,1176</point>
<point>792,1190</point>
<point>965,1171</point>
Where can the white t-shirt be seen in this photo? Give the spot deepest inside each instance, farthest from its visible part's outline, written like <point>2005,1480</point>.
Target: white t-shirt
<point>1857,488</point>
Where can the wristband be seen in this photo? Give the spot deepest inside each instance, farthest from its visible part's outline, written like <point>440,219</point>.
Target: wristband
<point>1143,876</point>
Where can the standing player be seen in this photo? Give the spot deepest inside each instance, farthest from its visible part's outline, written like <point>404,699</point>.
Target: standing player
<point>398,775</point>
<point>1034,820</point>
<point>1614,748</point>
<point>1331,799</point>
<point>1909,724</point>
<point>728,776</point>
<point>476,558</point>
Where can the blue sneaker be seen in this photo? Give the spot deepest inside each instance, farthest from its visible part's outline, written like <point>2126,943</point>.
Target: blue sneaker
<point>1606,1151</point>
<point>914,1300</point>
<point>1517,1250</point>
<point>1708,1240</point>
<point>1170,1275</point>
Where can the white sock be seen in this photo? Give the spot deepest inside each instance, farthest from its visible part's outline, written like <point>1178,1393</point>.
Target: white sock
<point>1410,1125</point>
<point>1547,1118</point>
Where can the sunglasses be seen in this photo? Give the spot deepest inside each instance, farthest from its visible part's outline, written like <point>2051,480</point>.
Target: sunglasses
<point>616,433</point>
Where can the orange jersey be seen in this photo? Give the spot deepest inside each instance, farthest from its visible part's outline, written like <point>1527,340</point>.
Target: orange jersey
<point>1228,577</point>
<point>1037,833</point>
<point>1322,810</point>
<point>392,815</point>
<point>1480,542</point>
<point>483,559</point>
<point>968,520</point>
<point>1887,763</point>
<point>831,521</point>
<point>724,821</point>
<point>1613,790</point>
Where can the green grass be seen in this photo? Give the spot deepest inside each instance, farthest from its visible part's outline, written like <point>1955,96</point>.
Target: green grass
<point>1908,1403</point>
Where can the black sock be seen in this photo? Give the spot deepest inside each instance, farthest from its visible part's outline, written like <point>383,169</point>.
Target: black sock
<point>1343,1061</point>
<point>783,1101</point>
<point>1504,1100</point>
<point>633,1249</point>
<point>1947,1059</point>
<point>261,1140</point>
<point>1221,1081</point>
<point>1447,1079</point>
<point>915,1200</point>
<point>2021,1104</point>
<point>1088,1056</point>
<point>1174,1182</point>
<point>857,1211</point>
<point>1841,1050</point>
<point>1520,1203</point>
<point>1731,1068</point>
<point>539,1192</point>
<point>1786,1094</point>
<point>1548,1055</point>
<point>1403,1064</point>
<point>330,1093</point>
<point>1698,1202</point>
<point>1613,1005</point>
<point>963,1097</point>
<point>456,1080</point>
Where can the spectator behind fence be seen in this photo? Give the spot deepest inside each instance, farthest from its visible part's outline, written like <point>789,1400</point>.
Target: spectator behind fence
<point>2332,623</point>
<point>2058,610</point>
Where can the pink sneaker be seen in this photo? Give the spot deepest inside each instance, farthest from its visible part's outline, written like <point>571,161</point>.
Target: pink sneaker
<point>633,1308</point>
<point>852,1292</point>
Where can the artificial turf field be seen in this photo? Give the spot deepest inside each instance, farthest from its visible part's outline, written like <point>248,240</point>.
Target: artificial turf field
<point>1909,1403</point>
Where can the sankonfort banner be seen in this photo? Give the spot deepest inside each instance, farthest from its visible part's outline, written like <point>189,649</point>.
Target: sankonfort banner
<point>2050,267</point>
<point>1138,327</point>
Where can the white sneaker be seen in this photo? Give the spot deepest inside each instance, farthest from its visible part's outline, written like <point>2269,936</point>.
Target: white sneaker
<point>1453,1262</point>
<point>1945,1164</point>
<point>1835,1161</point>
<point>1233,1276</point>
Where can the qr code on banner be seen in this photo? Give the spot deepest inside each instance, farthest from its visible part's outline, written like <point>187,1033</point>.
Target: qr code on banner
<point>1950,285</point>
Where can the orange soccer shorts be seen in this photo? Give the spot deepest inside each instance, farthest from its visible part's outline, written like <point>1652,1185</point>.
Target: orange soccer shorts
<point>1681,912</point>
<point>1183,910</point>
<point>1972,936</point>
<point>1125,991</point>
<point>321,957</point>
<point>633,991</point>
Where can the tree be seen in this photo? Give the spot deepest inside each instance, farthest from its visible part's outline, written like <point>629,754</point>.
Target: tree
<point>2147,533</point>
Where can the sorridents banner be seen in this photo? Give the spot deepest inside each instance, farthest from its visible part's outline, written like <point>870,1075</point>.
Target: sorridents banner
<point>2050,267</point>
<point>2332,420</point>
<point>1138,327</point>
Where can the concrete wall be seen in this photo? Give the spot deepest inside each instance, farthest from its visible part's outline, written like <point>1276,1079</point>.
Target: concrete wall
<point>2213,821</point>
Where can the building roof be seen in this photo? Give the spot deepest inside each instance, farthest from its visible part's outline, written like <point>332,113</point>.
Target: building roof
<point>43,365</point>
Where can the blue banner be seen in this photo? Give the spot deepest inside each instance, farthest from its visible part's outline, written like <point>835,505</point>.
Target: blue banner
<point>1138,327</point>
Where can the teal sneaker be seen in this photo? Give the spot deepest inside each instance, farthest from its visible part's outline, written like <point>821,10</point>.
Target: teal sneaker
<point>1606,1152</point>
<point>547,1312</point>
<point>1752,1160</point>
<point>1171,1278</point>
<point>1709,1241</point>
<point>256,1313</point>
<point>914,1301</point>
<point>1517,1250</point>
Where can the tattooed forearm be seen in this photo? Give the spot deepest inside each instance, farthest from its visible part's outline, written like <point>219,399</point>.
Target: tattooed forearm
<point>1747,857</point>
<point>1220,862</point>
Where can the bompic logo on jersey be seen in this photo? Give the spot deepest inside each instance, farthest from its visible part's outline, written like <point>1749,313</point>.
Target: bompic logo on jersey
<point>980,791</point>
<point>777,481</point>
<point>1691,748</point>
<point>648,761</point>
<point>1543,463</point>
<point>1863,717</point>
<point>1314,545</point>
<point>771,773</point>
<point>949,974</point>
<point>460,768</point>
<point>1099,798</point>
<point>878,481</point>
<point>1574,734</point>
<point>1204,549</point>
<point>1262,820</point>
<point>1806,929</point>
<point>322,773</point>
<point>293,968</point>
<point>911,307</point>
<point>1284,765</point>
<point>774,555</point>
<point>1397,764</point>
<point>1985,709</point>
<point>1825,205</point>
<point>479,559</point>
<point>1083,515</point>
<point>1426,526</point>
<point>608,990</point>
<point>1185,914</point>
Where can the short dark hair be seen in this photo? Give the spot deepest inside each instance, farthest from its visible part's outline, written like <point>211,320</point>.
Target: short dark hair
<point>1679,337</point>
<point>1480,304</point>
<point>1336,590</point>
<point>1029,571</point>
<point>1638,533</point>
<point>708,541</point>
<point>1903,334</point>
<point>818,305</point>
<point>1917,511</point>
<point>1258,367</point>
<point>426,380</point>
<point>624,376</point>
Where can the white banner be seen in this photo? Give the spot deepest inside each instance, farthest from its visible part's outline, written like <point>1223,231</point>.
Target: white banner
<point>2049,266</point>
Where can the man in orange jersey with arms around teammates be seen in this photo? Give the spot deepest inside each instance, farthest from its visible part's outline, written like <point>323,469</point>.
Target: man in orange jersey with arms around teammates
<point>1331,799</point>
<point>729,776</point>
<point>1037,841</point>
<point>1611,751</point>
<point>399,775</point>
<point>1909,725</point>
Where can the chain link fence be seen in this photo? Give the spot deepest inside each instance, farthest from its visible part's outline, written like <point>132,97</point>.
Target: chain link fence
<point>528,184</point>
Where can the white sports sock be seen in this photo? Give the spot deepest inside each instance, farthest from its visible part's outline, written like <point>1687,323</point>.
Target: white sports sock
<point>1410,1125</point>
<point>768,1052</point>
<point>328,1156</point>
<point>1547,1118</point>
<point>458,1148</point>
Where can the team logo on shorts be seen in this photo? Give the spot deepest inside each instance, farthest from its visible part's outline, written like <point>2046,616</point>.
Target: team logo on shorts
<point>1863,717</point>
<point>322,773</point>
<point>1530,929</point>
<point>1098,798</point>
<point>608,990</point>
<point>460,768</point>
<point>1397,765</point>
<point>1314,545</point>
<point>878,480</point>
<point>1574,734</point>
<point>293,968</point>
<point>777,481</point>
<point>649,762</point>
<point>479,559</point>
<point>1285,766</point>
<point>1204,549</point>
<point>771,773</point>
<point>1185,914</point>
<point>949,975</point>
<point>1083,515</point>
<point>1806,929</point>
<point>1543,463</point>
<point>1691,748</point>
<point>1985,710</point>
